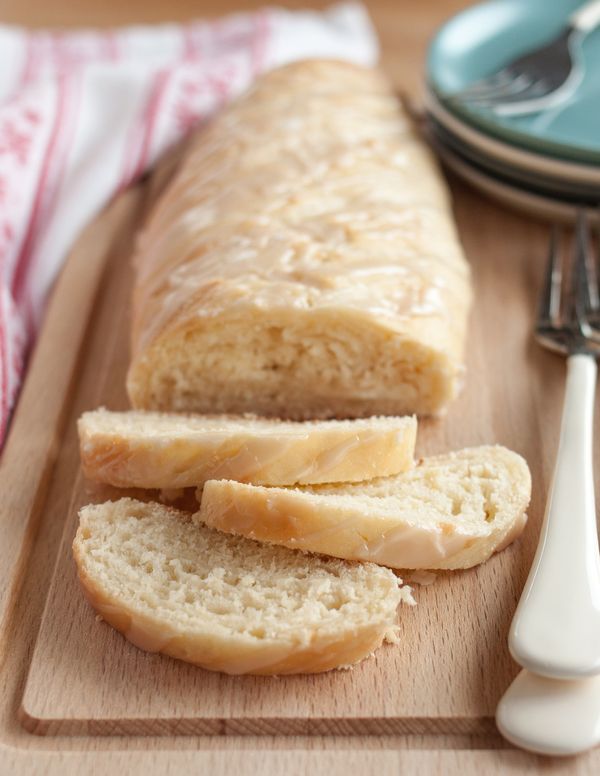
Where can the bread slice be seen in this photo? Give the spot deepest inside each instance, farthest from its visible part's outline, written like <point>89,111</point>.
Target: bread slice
<point>304,262</point>
<point>156,450</point>
<point>224,602</point>
<point>450,511</point>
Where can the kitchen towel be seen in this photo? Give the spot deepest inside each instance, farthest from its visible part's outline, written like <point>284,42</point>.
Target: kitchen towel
<point>84,113</point>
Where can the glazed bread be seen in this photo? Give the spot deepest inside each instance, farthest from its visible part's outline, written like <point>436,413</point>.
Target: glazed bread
<point>449,512</point>
<point>303,263</point>
<point>161,450</point>
<point>226,603</point>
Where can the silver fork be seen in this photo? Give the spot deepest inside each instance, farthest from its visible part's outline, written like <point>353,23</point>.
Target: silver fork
<point>540,79</point>
<point>556,628</point>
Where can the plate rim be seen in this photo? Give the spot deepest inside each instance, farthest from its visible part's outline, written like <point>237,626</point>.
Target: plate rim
<point>559,149</point>
<point>504,171</point>
<point>520,200</point>
<point>499,150</point>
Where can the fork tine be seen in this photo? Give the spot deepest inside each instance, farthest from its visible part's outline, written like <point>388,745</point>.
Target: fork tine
<point>590,264</point>
<point>549,308</point>
<point>495,81</point>
<point>581,294</point>
<point>508,90</point>
<point>595,257</point>
<point>520,85</point>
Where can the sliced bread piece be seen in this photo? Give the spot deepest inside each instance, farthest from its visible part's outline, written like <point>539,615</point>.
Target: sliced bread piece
<point>162,450</point>
<point>224,602</point>
<point>450,511</point>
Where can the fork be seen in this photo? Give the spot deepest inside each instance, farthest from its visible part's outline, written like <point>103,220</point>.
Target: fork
<point>556,628</point>
<point>539,79</point>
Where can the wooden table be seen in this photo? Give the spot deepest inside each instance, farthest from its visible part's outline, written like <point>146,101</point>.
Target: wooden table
<point>493,236</point>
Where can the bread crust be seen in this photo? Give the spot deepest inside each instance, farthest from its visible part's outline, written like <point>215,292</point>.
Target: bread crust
<point>271,454</point>
<point>353,530</point>
<point>328,648</point>
<point>303,263</point>
<point>214,654</point>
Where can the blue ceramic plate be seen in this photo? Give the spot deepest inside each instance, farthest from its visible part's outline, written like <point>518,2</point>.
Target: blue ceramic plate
<point>483,38</point>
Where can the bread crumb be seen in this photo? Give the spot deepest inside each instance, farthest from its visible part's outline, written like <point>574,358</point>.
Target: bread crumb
<point>406,596</point>
<point>422,577</point>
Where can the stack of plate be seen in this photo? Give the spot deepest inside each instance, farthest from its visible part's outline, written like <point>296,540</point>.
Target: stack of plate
<point>547,163</point>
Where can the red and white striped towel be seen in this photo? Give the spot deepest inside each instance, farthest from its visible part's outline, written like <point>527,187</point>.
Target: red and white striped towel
<point>83,113</point>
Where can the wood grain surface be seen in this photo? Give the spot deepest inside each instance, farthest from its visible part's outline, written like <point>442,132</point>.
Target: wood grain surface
<point>452,664</point>
<point>75,697</point>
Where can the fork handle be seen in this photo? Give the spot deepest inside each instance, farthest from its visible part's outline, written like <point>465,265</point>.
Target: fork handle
<point>556,628</point>
<point>587,17</point>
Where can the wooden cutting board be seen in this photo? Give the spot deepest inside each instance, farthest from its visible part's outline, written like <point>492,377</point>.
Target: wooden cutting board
<point>452,664</point>
<point>69,675</point>
<point>75,697</point>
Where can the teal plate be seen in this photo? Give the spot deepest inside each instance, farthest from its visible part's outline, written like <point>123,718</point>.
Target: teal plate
<point>480,40</point>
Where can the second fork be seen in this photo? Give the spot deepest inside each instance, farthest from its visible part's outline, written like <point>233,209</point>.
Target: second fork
<point>556,628</point>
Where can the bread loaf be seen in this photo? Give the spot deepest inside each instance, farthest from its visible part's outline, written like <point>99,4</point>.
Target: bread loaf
<point>450,511</point>
<point>304,262</point>
<point>227,603</point>
<point>162,450</point>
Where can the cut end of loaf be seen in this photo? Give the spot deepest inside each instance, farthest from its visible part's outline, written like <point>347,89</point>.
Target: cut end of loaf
<point>227,603</point>
<point>301,367</point>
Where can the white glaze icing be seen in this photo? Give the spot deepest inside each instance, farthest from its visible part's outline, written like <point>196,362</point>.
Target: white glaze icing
<point>316,195</point>
<point>113,447</point>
